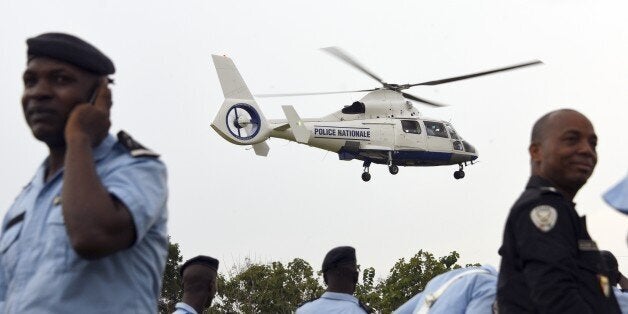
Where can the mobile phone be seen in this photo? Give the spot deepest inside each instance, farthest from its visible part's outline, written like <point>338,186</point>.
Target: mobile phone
<point>94,92</point>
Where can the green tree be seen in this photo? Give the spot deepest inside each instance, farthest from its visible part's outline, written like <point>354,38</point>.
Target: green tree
<point>171,290</point>
<point>368,291</point>
<point>267,288</point>
<point>409,277</point>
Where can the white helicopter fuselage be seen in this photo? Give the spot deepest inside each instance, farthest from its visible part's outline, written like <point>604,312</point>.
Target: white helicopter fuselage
<point>388,131</point>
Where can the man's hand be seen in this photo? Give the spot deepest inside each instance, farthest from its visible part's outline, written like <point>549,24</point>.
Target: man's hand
<point>89,122</point>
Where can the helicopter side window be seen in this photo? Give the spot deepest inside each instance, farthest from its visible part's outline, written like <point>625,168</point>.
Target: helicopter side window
<point>355,108</point>
<point>457,145</point>
<point>435,129</point>
<point>411,126</point>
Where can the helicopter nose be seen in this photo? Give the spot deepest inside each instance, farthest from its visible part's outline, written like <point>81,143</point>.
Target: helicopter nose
<point>470,149</point>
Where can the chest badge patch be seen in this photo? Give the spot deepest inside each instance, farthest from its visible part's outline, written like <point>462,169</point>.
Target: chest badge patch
<point>544,217</point>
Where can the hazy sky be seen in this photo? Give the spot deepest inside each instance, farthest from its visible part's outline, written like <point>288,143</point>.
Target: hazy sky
<point>299,201</point>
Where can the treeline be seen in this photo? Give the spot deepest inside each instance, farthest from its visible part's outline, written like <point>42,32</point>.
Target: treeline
<point>275,287</point>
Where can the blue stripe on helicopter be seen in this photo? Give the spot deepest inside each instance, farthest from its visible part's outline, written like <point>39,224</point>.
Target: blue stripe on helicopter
<point>399,155</point>
<point>419,155</point>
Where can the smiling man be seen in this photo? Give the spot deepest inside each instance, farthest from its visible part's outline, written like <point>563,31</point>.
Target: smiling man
<point>549,262</point>
<point>88,233</point>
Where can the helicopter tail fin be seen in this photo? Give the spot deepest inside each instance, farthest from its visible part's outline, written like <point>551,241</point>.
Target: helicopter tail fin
<point>239,119</point>
<point>301,133</point>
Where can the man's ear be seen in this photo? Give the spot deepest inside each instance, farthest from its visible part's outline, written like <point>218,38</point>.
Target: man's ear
<point>325,278</point>
<point>535,152</point>
<point>356,277</point>
<point>213,287</point>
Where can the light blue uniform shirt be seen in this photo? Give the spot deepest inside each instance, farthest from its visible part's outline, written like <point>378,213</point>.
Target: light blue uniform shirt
<point>333,302</point>
<point>183,308</point>
<point>617,196</point>
<point>622,299</point>
<point>473,293</point>
<point>41,273</point>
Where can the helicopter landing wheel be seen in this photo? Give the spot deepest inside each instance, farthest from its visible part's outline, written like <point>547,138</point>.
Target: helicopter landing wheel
<point>366,176</point>
<point>394,169</point>
<point>459,174</point>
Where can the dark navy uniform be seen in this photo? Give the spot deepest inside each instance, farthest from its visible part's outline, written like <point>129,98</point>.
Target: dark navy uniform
<point>549,262</point>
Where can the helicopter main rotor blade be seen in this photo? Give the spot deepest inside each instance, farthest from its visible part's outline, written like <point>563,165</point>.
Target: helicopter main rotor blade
<point>317,93</point>
<point>468,76</point>
<point>338,53</point>
<point>425,101</point>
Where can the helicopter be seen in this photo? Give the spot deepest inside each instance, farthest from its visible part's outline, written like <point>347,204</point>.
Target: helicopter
<point>383,127</point>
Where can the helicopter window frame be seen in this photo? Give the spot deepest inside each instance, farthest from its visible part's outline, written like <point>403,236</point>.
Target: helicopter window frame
<point>435,129</point>
<point>355,108</point>
<point>452,133</point>
<point>411,126</point>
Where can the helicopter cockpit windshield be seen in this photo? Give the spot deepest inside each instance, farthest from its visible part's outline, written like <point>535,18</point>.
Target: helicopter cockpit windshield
<point>452,132</point>
<point>355,108</point>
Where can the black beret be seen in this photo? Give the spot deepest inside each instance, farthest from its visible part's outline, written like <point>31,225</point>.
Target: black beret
<point>201,259</point>
<point>70,49</point>
<point>337,256</point>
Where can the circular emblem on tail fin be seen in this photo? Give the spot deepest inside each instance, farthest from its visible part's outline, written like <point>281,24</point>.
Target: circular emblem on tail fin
<point>243,121</point>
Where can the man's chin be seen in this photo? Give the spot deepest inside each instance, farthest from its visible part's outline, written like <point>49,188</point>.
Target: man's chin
<point>577,180</point>
<point>51,139</point>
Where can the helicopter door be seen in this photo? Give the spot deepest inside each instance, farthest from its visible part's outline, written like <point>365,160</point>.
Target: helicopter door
<point>437,138</point>
<point>409,134</point>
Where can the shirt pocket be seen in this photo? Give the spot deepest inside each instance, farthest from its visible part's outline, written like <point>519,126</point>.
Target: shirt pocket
<point>56,243</point>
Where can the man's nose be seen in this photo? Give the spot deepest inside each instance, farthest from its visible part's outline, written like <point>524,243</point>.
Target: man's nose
<point>587,148</point>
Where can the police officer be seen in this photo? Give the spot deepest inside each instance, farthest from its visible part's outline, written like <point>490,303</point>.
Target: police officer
<point>199,284</point>
<point>340,273</point>
<point>549,262</point>
<point>88,233</point>
<point>465,291</point>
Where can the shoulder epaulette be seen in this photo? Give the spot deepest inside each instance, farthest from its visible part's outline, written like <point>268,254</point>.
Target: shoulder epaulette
<point>549,190</point>
<point>135,149</point>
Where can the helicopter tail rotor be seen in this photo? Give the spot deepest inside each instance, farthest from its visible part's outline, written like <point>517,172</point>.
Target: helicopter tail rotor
<point>239,119</point>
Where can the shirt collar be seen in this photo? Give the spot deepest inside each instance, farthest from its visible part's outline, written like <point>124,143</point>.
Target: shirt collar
<point>185,307</point>
<point>538,182</point>
<point>340,296</point>
<point>99,153</point>
<point>104,147</point>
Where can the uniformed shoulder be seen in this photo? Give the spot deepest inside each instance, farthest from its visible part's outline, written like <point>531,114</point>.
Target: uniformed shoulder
<point>308,301</point>
<point>532,198</point>
<point>540,207</point>
<point>133,147</point>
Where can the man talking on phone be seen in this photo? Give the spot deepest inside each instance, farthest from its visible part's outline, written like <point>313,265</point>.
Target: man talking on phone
<point>88,233</point>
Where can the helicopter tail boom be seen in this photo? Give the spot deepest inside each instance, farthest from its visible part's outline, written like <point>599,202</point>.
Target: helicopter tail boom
<point>239,119</point>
